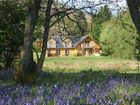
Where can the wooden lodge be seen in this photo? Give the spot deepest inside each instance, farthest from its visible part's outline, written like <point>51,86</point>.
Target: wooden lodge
<point>71,46</point>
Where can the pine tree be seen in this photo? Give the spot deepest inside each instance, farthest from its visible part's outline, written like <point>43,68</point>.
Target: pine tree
<point>103,15</point>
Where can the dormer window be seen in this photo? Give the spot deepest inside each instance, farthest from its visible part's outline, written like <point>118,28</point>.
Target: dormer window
<point>86,44</point>
<point>67,43</point>
<point>51,43</point>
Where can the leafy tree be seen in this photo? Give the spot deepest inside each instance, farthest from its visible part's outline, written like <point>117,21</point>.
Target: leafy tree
<point>26,69</point>
<point>103,16</point>
<point>118,37</point>
<point>11,31</point>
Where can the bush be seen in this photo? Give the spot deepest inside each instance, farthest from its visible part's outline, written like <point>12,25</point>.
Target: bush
<point>11,31</point>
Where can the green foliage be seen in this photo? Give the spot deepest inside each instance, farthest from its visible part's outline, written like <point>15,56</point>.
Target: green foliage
<point>137,47</point>
<point>39,29</point>
<point>80,27</point>
<point>75,24</point>
<point>103,16</point>
<point>118,37</point>
<point>11,31</point>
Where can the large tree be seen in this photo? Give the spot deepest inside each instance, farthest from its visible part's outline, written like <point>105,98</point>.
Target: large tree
<point>27,65</point>
<point>134,6</point>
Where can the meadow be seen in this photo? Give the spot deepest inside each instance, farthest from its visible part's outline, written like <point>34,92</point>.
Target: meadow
<point>86,80</point>
<point>86,63</point>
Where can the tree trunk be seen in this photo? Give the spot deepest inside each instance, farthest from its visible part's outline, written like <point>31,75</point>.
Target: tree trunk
<point>27,64</point>
<point>45,36</point>
<point>134,8</point>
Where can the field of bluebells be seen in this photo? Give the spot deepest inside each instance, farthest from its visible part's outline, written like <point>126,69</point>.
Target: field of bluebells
<point>64,84</point>
<point>114,90</point>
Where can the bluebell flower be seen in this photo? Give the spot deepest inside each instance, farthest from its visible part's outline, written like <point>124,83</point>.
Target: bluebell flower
<point>28,104</point>
<point>91,101</point>
<point>116,103</point>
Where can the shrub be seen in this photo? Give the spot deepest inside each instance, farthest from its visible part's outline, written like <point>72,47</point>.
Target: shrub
<point>11,31</point>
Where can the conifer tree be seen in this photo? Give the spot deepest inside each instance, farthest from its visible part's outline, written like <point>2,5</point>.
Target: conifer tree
<point>103,15</point>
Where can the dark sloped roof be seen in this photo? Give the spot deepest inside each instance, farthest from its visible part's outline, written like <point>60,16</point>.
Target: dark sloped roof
<point>75,40</point>
<point>59,40</point>
<point>81,39</point>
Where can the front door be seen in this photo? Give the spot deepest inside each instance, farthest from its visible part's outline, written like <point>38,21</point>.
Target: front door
<point>87,52</point>
<point>90,51</point>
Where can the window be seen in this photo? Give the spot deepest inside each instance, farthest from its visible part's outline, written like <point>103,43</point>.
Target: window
<point>84,52</point>
<point>57,52</point>
<point>67,44</point>
<point>86,44</point>
<point>48,45</point>
<point>66,52</point>
<point>49,52</point>
<point>51,44</point>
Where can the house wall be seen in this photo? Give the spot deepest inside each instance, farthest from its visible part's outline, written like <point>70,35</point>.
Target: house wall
<point>94,47</point>
<point>72,52</point>
<point>92,44</point>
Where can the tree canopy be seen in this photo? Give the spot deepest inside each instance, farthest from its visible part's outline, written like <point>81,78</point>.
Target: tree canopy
<point>118,36</point>
<point>103,15</point>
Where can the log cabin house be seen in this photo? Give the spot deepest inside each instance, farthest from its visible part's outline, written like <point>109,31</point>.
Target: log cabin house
<point>71,46</point>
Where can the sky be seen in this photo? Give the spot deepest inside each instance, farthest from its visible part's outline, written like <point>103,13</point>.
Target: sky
<point>114,6</point>
<point>121,2</point>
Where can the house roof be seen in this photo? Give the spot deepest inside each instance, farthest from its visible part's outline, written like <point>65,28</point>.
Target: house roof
<point>59,40</point>
<point>76,40</point>
<point>81,39</point>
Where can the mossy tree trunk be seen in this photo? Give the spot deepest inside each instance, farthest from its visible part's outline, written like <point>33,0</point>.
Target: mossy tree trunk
<point>28,70</point>
<point>134,8</point>
<point>27,65</point>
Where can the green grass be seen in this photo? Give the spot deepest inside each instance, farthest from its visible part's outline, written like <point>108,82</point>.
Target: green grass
<point>81,77</point>
<point>87,69</point>
<point>78,64</point>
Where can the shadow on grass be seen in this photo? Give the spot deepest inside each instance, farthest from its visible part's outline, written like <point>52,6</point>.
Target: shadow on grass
<point>85,76</point>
